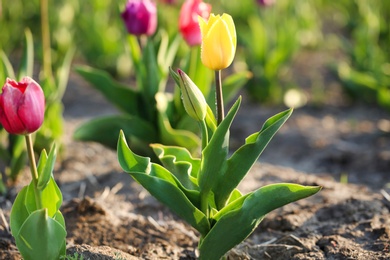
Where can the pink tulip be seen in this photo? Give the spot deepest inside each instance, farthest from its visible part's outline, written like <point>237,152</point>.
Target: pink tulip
<point>140,17</point>
<point>188,22</point>
<point>22,106</point>
<point>266,2</point>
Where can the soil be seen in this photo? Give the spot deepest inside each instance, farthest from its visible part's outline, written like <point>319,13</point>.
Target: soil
<point>343,147</point>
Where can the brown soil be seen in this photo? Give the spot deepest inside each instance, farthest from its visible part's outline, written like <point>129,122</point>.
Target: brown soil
<point>109,216</point>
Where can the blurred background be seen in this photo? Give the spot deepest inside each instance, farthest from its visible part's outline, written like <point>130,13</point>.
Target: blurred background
<point>345,42</point>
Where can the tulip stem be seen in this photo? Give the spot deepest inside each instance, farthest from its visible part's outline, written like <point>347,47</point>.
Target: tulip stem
<point>46,39</point>
<point>219,97</point>
<point>34,171</point>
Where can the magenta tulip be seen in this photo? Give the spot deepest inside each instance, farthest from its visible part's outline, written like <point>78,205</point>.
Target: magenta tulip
<point>188,22</point>
<point>140,17</point>
<point>266,2</point>
<point>22,106</point>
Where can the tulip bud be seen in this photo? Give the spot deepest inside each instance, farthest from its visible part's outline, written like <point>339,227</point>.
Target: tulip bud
<point>188,22</point>
<point>219,41</point>
<point>140,17</point>
<point>22,106</point>
<point>193,99</point>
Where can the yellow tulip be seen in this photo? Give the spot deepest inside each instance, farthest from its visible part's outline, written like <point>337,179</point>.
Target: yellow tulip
<point>219,41</point>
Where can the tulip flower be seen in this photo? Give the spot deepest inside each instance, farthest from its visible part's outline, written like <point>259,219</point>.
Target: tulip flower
<point>266,2</point>
<point>193,99</point>
<point>22,106</point>
<point>218,41</point>
<point>188,21</point>
<point>140,17</point>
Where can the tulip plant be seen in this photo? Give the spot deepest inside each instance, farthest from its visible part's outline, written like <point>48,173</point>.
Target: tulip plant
<point>36,222</point>
<point>13,151</point>
<point>203,191</point>
<point>150,114</point>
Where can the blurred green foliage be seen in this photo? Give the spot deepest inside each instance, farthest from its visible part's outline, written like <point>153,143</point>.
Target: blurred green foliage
<point>269,38</point>
<point>366,71</point>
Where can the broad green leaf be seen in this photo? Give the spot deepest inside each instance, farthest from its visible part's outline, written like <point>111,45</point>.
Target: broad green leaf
<point>235,223</point>
<point>51,198</point>
<point>123,97</point>
<point>47,169</point>
<point>27,63</point>
<point>180,163</point>
<point>41,237</point>
<point>243,159</point>
<point>153,75</point>
<point>214,155</point>
<point>105,130</point>
<point>19,212</point>
<point>162,185</point>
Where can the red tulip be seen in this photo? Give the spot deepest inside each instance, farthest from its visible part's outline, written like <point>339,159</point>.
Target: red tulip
<point>188,23</point>
<point>140,17</point>
<point>22,106</point>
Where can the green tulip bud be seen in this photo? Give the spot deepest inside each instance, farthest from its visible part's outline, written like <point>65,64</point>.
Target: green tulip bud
<point>193,99</point>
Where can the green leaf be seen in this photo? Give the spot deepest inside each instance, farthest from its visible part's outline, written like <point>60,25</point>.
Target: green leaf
<point>123,97</point>
<point>214,155</point>
<point>41,237</point>
<point>105,129</point>
<point>7,66</point>
<point>19,212</point>
<point>233,83</point>
<point>153,75</point>
<point>175,76</point>
<point>51,198</point>
<point>27,63</point>
<point>162,185</point>
<point>45,171</point>
<point>42,161</point>
<point>243,159</point>
<point>168,134</point>
<point>237,221</point>
<point>63,73</point>
<point>180,163</point>
<point>211,122</point>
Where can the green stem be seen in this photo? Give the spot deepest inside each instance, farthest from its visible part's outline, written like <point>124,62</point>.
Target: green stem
<point>205,137</point>
<point>219,97</point>
<point>34,171</point>
<point>46,39</point>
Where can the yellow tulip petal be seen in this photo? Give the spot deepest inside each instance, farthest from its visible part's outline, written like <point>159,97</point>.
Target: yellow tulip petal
<point>232,28</point>
<point>218,41</point>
